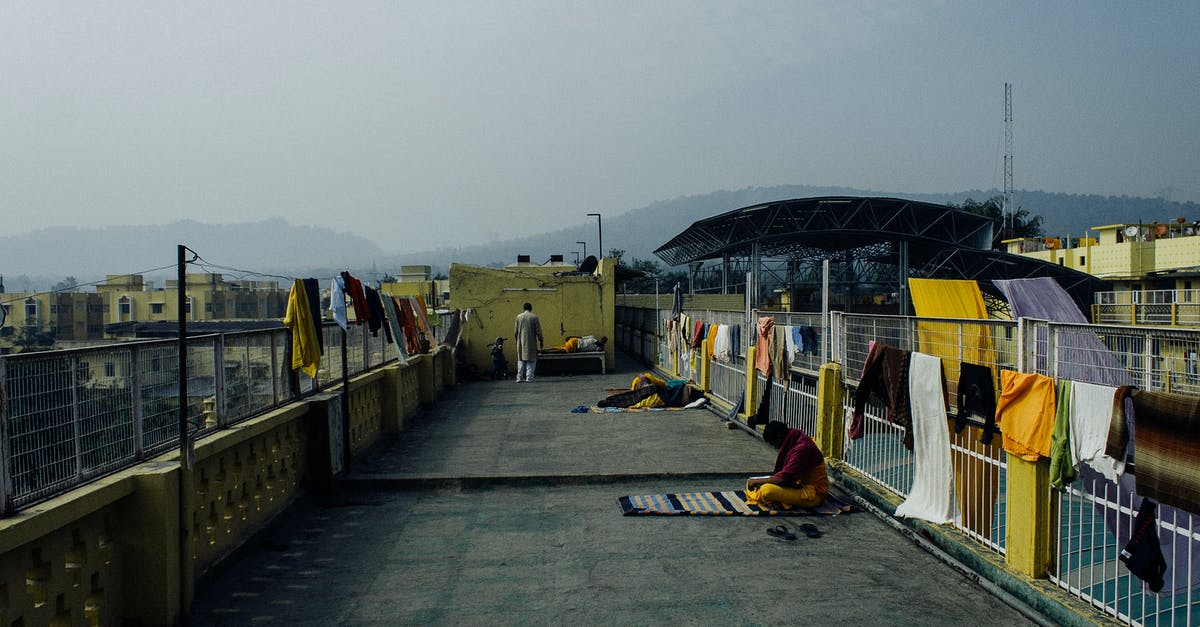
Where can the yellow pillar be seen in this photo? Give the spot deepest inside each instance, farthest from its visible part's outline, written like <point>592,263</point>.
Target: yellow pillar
<point>751,403</point>
<point>704,369</point>
<point>1029,535</point>
<point>830,417</point>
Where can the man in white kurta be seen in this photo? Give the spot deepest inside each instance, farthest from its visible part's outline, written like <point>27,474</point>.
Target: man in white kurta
<point>528,334</point>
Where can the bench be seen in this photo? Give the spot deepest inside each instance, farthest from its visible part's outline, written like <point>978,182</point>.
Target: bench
<point>575,357</point>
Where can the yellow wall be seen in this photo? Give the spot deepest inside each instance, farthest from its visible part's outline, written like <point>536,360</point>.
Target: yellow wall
<point>566,305</point>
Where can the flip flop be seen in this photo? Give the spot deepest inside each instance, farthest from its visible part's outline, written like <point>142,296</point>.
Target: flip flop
<point>810,530</point>
<point>781,532</point>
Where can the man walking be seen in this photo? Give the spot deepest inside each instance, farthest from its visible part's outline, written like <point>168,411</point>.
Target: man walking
<point>528,334</point>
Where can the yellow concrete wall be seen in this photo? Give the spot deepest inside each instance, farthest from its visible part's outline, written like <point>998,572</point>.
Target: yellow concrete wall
<point>566,305</point>
<point>108,552</point>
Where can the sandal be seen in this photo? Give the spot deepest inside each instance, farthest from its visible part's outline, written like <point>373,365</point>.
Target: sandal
<point>810,530</point>
<point>781,532</point>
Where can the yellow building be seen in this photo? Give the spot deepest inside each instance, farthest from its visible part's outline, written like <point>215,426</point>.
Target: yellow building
<point>64,318</point>
<point>566,301</point>
<point>1154,269</point>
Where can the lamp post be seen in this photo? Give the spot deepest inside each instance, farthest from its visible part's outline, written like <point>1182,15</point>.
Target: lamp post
<point>599,232</point>
<point>584,249</point>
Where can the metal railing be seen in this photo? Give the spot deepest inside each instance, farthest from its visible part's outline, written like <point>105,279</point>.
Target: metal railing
<point>70,416</point>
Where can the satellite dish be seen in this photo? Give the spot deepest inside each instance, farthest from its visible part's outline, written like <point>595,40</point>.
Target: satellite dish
<point>1131,231</point>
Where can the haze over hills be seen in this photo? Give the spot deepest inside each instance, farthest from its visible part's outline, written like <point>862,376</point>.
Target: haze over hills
<point>37,260</point>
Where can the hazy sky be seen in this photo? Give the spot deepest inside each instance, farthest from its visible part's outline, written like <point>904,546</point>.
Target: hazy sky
<point>421,124</point>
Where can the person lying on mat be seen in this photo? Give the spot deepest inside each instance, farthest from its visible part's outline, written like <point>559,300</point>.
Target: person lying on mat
<point>799,479</point>
<point>576,344</point>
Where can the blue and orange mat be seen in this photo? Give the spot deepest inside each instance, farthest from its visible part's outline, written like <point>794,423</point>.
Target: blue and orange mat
<point>730,503</point>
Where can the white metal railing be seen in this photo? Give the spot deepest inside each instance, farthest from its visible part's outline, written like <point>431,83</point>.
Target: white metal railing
<point>70,416</point>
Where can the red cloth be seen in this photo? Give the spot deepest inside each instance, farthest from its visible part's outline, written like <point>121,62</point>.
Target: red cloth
<point>885,375</point>
<point>358,299</point>
<point>797,455</point>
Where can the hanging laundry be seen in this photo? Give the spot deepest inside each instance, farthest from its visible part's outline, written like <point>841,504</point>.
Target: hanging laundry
<point>1167,445</point>
<point>1143,554</point>
<point>306,349</point>
<point>812,342</point>
<point>374,311</point>
<point>697,334</point>
<point>931,497</point>
<point>1091,414</point>
<point>312,291</point>
<point>976,397</point>
<point>710,339</point>
<point>790,347</point>
<point>1062,460</point>
<point>795,342</point>
<point>735,342</point>
<point>762,357</point>
<point>762,413</point>
<point>393,319</point>
<point>885,375</point>
<point>1025,411</point>
<point>779,363</point>
<point>358,298</point>
<point>721,348</point>
<point>337,301</point>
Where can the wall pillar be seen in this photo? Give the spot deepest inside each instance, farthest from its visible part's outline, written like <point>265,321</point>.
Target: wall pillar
<point>830,416</point>
<point>1029,533</point>
<point>751,403</point>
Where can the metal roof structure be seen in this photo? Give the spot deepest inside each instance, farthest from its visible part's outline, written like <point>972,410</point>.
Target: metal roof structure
<point>875,240</point>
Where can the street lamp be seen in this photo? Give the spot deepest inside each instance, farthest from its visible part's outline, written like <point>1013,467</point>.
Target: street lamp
<point>599,232</point>
<point>584,249</point>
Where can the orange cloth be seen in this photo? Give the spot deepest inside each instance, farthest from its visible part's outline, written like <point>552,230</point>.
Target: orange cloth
<point>762,355</point>
<point>710,338</point>
<point>809,491</point>
<point>1025,412</point>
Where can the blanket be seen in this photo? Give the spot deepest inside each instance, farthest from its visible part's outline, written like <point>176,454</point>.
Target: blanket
<point>730,503</point>
<point>596,409</point>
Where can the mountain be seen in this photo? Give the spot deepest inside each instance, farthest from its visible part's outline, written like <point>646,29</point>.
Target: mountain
<point>37,260</point>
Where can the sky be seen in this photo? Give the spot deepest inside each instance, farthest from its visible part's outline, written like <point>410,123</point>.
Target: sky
<point>429,124</point>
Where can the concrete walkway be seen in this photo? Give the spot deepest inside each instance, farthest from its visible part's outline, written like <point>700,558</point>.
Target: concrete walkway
<point>499,506</point>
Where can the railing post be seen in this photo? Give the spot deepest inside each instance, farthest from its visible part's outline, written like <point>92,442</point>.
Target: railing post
<point>751,403</point>
<point>219,397</point>
<point>830,416</point>
<point>5,444</point>
<point>135,385</point>
<point>73,364</point>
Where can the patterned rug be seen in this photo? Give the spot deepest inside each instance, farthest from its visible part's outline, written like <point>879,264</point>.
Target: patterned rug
<point>731,503</point>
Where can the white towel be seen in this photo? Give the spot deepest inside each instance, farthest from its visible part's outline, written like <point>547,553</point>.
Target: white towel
<point>932,495</point>
<point>1091,412</point>
<point>722,343</point>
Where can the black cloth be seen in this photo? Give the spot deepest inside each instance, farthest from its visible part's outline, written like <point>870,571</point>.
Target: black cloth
<point>312,291</point>
<point>811,344</point>
<point>762,415</point>
<point>976,397</point>
<point>374,310</point>
<point>1143,555</point>
<point>628,398</point>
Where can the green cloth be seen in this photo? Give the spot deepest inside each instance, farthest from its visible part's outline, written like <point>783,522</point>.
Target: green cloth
<point>1062,467</point>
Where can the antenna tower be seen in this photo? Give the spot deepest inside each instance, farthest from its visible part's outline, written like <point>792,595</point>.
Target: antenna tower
<point>1008,160</point>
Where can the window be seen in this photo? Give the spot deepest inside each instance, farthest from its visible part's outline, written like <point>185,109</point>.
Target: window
<point>110,370</point>
<point>31,312</point>
<point>124,309</point>
<point>156,308</point>
<point>188,307</point>
<point>1082,260</point>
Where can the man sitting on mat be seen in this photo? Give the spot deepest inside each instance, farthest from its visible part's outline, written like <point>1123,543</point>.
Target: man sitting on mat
<point>799,479</point>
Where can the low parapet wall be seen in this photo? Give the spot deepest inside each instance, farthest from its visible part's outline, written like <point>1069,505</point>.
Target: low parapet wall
<point>110,552</point>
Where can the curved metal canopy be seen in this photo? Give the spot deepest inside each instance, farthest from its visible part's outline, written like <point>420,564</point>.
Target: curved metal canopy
<point>937,241</point>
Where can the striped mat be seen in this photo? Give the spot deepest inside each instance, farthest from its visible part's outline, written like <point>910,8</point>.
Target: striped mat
<point>731,503</point>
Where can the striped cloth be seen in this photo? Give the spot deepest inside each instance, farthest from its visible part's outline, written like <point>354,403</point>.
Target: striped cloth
<point>1167,444</point>
<point>730,503</point>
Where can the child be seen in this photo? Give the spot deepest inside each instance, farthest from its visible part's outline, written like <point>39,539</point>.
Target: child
<point>499,364</point>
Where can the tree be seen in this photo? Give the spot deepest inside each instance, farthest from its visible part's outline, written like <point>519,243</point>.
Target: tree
<point>69,284</point>
<point>616,253</point>
<point>1023,223</point>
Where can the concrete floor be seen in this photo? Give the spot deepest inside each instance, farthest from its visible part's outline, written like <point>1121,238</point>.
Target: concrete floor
<point>499,506</point>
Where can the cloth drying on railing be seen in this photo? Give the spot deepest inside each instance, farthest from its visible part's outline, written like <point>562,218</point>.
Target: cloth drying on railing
<point>1062,462</point>
<point>1025,411</point>
<point>306,347</point>
<point>374,310</point>
<point>337,301</point>
<point>1091,413</point>
<point>1142,555</point>
<point>312,292</point>
<point>1167,448</point>
<point>721,344</point>
<point>885,375</point>
<point>393,319</point>
<point>358,298</point>
<point>762,356</point>
<point>931,497</point>
<point>1079,354</point>
<point>952,341</point>
<point>976,397</point>
<point>780,366</point>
